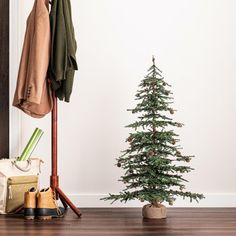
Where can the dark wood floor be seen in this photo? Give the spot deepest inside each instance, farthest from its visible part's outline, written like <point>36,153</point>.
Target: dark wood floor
<point>127,221</point>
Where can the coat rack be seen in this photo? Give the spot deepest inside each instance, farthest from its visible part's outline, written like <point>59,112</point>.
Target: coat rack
<point>54,180</point>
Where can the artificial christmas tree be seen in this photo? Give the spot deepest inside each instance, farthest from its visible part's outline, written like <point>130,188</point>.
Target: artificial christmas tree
<point>150,162</point>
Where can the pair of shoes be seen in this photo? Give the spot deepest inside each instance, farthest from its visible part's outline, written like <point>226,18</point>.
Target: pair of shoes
<point>42,205</point>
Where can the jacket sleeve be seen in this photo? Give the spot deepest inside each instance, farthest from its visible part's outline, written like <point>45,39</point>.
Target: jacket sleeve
<point>39,56</point>
<point>58,58</point>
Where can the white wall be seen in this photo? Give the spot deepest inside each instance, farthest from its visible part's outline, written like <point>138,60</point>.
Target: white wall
<point>195,45</point>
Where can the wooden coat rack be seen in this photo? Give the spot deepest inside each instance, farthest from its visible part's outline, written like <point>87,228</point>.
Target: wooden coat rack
<point>54,180</point>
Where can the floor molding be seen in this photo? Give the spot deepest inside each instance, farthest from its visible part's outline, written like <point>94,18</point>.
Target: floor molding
<point>211,200</point>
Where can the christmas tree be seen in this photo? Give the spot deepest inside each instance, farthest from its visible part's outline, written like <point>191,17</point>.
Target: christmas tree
<point>154,164</point>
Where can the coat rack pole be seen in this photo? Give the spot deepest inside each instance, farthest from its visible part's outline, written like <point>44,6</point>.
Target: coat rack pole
<point>54,180</point>
<point>54,176</point>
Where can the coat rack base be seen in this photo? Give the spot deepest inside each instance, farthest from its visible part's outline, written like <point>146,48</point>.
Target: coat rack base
<point>61,195</point>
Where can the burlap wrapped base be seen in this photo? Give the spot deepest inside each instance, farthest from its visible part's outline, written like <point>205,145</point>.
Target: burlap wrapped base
<point>152,212</point>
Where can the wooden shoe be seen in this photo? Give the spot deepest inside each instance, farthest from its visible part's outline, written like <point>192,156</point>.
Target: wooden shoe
<point>30,204</point>
<point>47,207</point>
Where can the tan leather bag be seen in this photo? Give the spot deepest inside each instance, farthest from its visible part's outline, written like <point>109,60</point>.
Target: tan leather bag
<point>16,188</point>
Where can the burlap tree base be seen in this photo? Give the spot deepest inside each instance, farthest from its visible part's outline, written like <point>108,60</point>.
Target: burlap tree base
<point>153,212</point>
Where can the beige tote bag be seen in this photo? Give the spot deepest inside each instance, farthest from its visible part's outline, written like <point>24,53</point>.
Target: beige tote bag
<point>10,168</point>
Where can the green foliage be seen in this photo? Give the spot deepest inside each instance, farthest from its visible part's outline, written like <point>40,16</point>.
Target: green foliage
<point>153,163</point>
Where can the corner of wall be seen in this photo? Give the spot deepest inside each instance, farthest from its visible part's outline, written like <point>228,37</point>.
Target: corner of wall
<point>15,30</point>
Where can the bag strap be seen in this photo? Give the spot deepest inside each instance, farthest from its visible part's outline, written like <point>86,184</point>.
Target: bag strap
<point>26,169</point>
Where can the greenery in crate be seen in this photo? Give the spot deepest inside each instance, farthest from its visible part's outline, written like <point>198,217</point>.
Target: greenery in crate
<point>153,163</point>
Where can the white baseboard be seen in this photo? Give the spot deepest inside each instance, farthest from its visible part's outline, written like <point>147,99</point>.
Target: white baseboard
<point>211,200</point>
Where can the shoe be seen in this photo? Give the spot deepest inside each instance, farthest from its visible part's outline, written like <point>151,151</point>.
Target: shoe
<point>30,204</point>
<point>47,207</point>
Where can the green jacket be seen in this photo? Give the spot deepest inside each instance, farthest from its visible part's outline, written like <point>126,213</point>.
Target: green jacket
<point>63,49</point>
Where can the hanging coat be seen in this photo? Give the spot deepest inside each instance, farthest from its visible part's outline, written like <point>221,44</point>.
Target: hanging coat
<point>33,94</point>
<point>63,49</point>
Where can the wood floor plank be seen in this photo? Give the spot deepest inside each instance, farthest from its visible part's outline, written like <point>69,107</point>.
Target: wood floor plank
<point>127,222</point>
